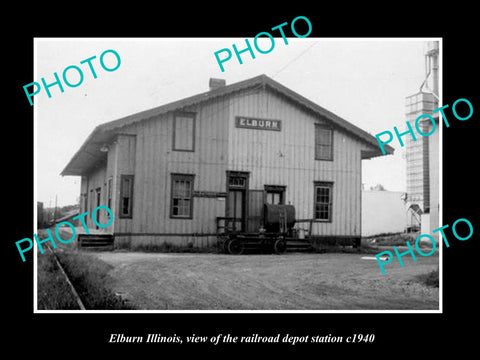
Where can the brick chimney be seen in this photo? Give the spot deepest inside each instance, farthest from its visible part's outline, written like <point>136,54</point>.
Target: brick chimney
<point>216,83</point>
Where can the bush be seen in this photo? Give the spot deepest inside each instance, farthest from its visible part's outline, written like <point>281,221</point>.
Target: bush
<point>396,239</point>
<point>429,279</point>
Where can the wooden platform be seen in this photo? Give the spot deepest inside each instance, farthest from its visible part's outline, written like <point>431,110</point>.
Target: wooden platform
<point>299,245</point>
<point>95,241</point>
<point>264,243</point>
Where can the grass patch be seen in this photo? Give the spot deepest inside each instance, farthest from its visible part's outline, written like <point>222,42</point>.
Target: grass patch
<point>395,239</point>
<point>89,276</point>
<point>53,291</point>
<point>371,244</point>
<point>333,247</point>
<point>429,279</point>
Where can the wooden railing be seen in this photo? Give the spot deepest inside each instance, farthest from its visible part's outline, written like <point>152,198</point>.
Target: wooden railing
<point>226,225</point>
<point>309,222</point>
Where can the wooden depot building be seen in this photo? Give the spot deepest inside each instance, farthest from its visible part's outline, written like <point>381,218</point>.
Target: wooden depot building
<point>170,172</point>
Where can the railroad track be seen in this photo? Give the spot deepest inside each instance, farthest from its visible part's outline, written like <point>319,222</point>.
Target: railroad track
<point>72,288</point>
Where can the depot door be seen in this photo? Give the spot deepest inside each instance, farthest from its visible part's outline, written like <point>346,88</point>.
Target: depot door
<point>236,206</point>
<point>99,196</point>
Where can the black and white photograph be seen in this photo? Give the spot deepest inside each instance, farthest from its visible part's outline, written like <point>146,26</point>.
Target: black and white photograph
<point>218,182</point>
<point>258,188</point>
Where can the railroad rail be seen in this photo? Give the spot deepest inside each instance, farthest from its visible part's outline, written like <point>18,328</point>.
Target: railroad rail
<point>72,288</point>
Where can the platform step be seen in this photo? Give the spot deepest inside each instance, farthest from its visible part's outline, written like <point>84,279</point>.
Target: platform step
<point>299,245</point>
<point>95,241</point>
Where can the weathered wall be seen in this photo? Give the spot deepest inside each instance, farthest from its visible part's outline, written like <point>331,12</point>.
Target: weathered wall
<point>383,212</point>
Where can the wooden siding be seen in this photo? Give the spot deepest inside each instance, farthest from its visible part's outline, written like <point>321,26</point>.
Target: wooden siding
<point>90,183</point>
<point>124,164</point>
<point>156,161</point>
<point>287,158</point>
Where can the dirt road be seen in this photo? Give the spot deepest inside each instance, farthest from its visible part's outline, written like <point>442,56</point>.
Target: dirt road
<point>269,282</point>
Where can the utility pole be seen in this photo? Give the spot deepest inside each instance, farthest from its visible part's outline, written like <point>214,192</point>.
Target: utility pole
<point>55,210</point>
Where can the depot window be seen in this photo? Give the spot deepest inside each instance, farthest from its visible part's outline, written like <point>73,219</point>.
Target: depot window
<point>109,193</point>
<point>274,194</point>
<point>181,203</point>
<point>126,196</point>
<point>184,132</point>
<point>323,201</point>
<point>323,142</point>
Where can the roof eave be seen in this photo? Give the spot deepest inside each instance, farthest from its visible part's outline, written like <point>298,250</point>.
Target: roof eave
<point>103,131</point>
<point>376,152</point>
<point>91,149</point>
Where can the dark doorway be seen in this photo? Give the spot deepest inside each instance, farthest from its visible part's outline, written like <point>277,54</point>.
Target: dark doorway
<point>237,204</point>
<point>99,197</point>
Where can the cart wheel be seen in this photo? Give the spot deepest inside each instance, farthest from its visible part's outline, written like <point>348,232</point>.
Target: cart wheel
<point>226,243</point>
<point>280,246</point>
<point>266,247</point>
<point>235,247</point>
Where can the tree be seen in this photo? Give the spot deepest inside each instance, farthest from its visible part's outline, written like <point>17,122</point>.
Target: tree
<point>378,187</point>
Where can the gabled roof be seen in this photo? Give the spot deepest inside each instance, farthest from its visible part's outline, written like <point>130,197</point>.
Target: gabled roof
<point>89,153</point>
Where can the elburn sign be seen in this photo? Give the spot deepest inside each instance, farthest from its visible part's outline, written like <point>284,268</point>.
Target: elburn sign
<point>255,123</point>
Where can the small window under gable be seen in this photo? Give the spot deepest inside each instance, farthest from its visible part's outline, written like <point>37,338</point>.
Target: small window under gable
<point>323,142</point>
<point>184,132</point>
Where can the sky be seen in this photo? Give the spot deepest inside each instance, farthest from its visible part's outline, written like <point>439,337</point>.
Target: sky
<point>364,81</point>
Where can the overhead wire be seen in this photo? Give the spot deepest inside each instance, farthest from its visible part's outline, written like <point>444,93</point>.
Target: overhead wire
<point>294,59</point>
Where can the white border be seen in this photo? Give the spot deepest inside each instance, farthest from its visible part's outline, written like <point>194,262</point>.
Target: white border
<point>439,311</point>
<point>35,154</point>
